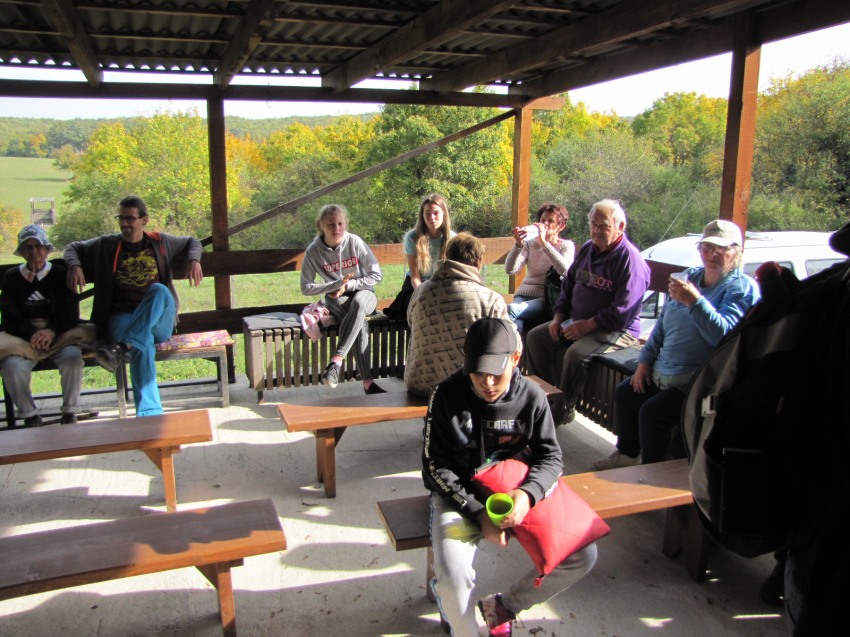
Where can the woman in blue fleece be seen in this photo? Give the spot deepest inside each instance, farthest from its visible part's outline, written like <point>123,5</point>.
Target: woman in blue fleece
<point>700,310</point>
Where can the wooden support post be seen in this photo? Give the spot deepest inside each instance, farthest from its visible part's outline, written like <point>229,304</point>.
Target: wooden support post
<point>522,180</point>
<point>219,576</point>
<point>740,123</point>
<point>163,458</point>
<point>218,196</point>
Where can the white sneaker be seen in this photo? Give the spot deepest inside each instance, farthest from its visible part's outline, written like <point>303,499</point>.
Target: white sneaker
<point>615,461</point>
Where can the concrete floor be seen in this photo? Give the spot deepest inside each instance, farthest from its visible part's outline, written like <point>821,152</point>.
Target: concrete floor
<point>340,575</point>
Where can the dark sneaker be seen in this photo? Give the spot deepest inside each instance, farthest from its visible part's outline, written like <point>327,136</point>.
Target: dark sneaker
<point>773,590</point>
<point>331,375</point>
<point>374,388</point>
<point>67,419</point>
<point>109,357</point>
<point>33,421</point>
<point>499,619</point>
<point>567,418</point>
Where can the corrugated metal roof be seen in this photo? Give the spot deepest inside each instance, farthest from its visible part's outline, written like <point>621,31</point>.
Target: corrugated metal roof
<point>318,36</point>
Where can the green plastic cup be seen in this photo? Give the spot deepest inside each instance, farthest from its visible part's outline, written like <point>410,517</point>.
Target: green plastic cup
<point>498,506</point>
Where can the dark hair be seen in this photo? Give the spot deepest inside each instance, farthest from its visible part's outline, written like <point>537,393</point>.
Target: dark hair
<point>132,201</point>
<point>558,209</point>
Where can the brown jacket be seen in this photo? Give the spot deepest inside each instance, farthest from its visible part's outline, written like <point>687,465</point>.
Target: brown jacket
<point>440,312</point>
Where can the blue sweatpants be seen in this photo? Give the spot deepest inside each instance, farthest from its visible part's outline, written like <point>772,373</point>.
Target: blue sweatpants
<point>150,323</point>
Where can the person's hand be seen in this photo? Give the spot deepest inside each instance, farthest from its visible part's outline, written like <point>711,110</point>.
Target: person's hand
<point>642,378</point>
<point>194,273</point>
<point>555,327</point>
<point>519,236</point>
<point>541,235</point>
<point>579,328</point>
<point>491,532</point>
<point>522,505</point>
<point>76,279</point>
<point>338,293</point>
<point>683,291</point>
<point>42,339</point>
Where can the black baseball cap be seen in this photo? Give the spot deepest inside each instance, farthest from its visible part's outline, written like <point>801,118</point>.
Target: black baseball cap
<point>489,344</point>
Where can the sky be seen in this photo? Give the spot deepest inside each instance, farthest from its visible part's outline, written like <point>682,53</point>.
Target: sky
<point>627,97</point>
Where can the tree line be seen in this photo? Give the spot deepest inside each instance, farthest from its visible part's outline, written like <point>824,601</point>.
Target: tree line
<point>664,165</point>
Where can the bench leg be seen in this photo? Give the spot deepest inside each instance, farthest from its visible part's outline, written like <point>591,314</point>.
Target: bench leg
<point>326,442</point>
<point>121,389</point>
<point>163,458</point>
<point>429,575</point>
<point>684,533</point>
<point>219,576</point>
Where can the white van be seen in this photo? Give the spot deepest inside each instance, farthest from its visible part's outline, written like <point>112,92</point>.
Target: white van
<point>804,253</point>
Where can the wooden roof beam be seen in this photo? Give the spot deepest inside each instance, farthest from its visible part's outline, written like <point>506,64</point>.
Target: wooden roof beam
<point>65,18</point>
<point>438,24</point>
<point>624,21</point>
<point>774,24</point>
<point>259,18</point>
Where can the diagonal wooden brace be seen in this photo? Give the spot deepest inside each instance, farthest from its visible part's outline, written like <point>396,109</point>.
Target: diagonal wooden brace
<point>163,458</point>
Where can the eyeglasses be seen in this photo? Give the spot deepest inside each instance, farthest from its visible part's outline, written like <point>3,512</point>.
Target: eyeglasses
<point>120,218</point>
<point>713,247</point>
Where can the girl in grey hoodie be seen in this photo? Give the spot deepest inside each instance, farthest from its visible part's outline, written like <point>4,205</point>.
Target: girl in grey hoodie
<point>348,271</point>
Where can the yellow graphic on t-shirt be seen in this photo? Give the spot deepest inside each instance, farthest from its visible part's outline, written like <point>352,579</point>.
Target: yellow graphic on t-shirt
<point>137,271</point>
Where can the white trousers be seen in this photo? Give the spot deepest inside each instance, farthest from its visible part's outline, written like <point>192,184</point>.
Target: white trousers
<point>17,373</point>
<point>455,542</point>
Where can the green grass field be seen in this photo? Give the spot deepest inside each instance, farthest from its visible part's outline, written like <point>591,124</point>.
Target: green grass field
<point>24,177</point>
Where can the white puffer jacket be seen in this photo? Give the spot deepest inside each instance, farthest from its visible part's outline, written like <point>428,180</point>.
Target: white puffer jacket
<point>440,312</point>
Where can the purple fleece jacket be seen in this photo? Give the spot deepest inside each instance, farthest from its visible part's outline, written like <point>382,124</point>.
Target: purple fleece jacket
<point>608,287</point>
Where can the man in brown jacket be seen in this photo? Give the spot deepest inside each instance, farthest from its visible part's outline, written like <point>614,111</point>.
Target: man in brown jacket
<point>441,311</point>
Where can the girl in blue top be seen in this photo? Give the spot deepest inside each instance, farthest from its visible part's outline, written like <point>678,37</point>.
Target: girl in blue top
<point>702,307</point>
<point>426,243</point>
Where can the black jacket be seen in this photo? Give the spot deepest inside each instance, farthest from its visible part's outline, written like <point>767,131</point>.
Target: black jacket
<point>50,299</point>
<point>517,425</point>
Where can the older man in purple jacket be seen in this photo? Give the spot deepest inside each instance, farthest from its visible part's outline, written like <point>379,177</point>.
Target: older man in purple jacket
<point>598,311</point>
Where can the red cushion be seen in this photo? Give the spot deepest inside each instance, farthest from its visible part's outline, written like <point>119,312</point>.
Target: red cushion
<point>555,528</point>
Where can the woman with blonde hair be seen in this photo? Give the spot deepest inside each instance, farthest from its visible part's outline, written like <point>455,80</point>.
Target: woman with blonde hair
<point>423,246</point>
<point>348,271</point>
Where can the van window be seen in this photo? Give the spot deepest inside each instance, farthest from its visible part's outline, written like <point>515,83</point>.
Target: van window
<point>816,265</point>
<point>750,268</point>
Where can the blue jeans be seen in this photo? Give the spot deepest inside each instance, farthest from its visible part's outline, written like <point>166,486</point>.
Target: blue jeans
<point>527,308</point>
<point>644,421</point>
<point>150,323</point>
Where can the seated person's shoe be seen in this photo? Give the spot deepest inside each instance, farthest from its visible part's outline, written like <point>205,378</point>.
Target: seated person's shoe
<point>374,389</point>
<point>67,419</point>
<point>33,421</point>
<point>331,375</point>
<point>567,418</point>
<point>615,461</point>
<point>110,356</point>
<point>499,619</point>
<point>773,590</point>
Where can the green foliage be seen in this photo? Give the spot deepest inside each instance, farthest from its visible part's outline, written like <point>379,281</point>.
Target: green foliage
<point>683,128</point>
<point>803,141</point>
<point>11,221</point>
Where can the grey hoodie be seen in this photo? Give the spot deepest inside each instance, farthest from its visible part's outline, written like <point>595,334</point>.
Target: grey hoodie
<point>352,255</point>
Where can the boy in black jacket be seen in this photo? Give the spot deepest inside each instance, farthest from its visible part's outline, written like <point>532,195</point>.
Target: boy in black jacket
<point>487,411</point>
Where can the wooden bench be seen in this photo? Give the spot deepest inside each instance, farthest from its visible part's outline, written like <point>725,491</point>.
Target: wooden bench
<point>327,419</point>
<point>213,540</point>
<point>605,372</point>
<point>612,493</point>
<point>278,357</point>
<point>159,437</point>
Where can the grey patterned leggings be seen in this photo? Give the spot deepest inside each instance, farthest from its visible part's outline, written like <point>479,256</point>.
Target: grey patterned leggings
<point>351,310</point>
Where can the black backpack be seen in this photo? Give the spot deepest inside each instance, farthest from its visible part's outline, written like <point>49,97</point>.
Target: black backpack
<point>765,419</point>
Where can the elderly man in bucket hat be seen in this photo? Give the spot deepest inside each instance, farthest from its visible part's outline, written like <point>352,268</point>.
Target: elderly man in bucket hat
<point>37,310</point>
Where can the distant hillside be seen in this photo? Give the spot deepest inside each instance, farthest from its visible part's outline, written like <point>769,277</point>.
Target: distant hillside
<point>23,177</point>
<point>31,137</point>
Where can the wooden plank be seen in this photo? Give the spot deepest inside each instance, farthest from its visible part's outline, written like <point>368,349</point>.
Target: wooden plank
<point>286,372</point>
<point>259,17</point>
<point>611,493</point>
<point>218,195</point>
<point>64,16</point>
<point>521,181</point>
<point>438,24</point>
<point>363,174</point>
<point>83,554</point>
<point>659,274</point>
<point>278,358</point>
<point>106,436</point>
<point>622,22</point>
<point>740,123</point>
<point>349,411</point>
